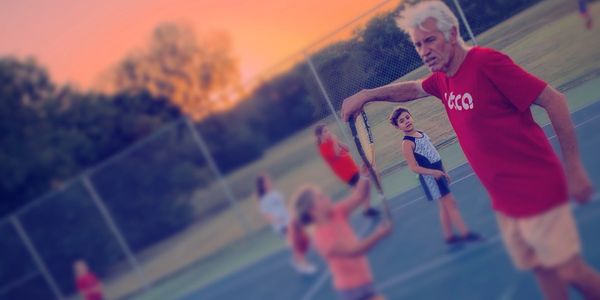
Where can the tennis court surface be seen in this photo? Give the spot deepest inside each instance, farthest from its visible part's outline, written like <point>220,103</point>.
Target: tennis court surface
<point>414,263</point>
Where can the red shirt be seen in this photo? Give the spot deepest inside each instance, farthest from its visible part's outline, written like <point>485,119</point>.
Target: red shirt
<point>347,272</point>
<point>488,103</point>
<point>342,164</point>
<point>87,282</point>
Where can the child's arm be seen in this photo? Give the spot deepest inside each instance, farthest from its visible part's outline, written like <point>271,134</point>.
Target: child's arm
<point>361,194</point>
<point>409,156</point>
<point>363,246</point>
<point>343,146</point>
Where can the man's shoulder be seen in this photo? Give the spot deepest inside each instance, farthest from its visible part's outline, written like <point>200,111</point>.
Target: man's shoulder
<point>482,51</point>
<point>481,55</point>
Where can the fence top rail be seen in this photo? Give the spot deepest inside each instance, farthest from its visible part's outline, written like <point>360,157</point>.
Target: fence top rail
<point>70,182</point>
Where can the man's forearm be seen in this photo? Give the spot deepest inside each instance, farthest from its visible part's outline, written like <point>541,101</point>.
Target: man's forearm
<point>560,117</point>
<point>393,92</point>
<point>396,92</point>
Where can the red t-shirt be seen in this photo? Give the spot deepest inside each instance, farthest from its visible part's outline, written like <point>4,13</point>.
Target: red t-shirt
<point>342,164</point>
<point>87,282</point>
<point>488,103</point>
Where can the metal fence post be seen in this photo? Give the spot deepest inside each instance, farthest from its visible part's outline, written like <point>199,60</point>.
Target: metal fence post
<point>114,229</point>
<point>464,19</point>
<point>213,165</point>
<point>36,257</point>
<point>327,98</point>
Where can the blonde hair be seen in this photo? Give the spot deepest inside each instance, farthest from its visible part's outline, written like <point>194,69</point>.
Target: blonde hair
<point>414,17</point>
<point>302,203</point>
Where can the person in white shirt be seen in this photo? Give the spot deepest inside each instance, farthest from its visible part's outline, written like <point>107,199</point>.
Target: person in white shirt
<point>273,207</point>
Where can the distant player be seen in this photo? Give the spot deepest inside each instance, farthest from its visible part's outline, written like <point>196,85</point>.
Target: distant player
<point>273,208</point>
<point>337,155</point>
<point>88,285</point>
<point>334,239</point>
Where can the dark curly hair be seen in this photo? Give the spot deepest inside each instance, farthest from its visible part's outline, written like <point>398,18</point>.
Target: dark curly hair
<point>396,114</point>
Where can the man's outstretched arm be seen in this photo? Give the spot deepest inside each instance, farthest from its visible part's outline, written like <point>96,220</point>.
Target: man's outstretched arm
<point>393,92</point>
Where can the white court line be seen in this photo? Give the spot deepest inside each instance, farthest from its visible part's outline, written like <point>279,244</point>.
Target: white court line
<point>316,286</point>
<point>243,280</point>
<point>436,263</point>
<point>510,292</point>
<point>577,125</point>
<point>422,197</point>
<point>4,289</point>
<point>422,268</point>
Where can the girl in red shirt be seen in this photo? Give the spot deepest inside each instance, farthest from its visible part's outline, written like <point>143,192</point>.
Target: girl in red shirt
<point>88,285</point>
<point>337,155</point>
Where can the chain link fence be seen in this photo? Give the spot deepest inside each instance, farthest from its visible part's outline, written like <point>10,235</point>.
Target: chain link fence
<point>173,201</point>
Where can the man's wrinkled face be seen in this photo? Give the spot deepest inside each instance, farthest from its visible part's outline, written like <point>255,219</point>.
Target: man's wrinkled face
<point>431,45</point>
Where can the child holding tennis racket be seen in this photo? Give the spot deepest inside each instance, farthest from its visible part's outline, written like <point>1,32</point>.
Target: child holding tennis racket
<point>337,155</point>
<point>334,239</point>
<point>423,159</point>
<point>273,208</point>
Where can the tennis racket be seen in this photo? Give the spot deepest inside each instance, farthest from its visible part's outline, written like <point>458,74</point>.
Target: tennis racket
<point>363,138</point>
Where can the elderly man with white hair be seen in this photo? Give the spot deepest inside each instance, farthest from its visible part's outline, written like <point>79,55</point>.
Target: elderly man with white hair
<point>488,99</point>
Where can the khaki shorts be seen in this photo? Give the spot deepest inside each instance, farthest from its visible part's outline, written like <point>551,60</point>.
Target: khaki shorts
<point>545,240</point>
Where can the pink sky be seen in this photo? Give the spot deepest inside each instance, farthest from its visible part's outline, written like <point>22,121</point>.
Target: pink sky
<point>77,40</point>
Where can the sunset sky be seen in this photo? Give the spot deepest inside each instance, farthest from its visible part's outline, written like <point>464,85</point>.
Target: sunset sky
<point>77,40</point>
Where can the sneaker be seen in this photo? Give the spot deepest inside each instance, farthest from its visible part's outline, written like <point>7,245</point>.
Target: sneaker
<point>453,240</point>
<point>305,268</point>
<point>472,237</point>
<point>371,212</point>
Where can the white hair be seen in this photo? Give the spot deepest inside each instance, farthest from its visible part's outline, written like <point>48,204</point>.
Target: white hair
<point>414,17</point>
